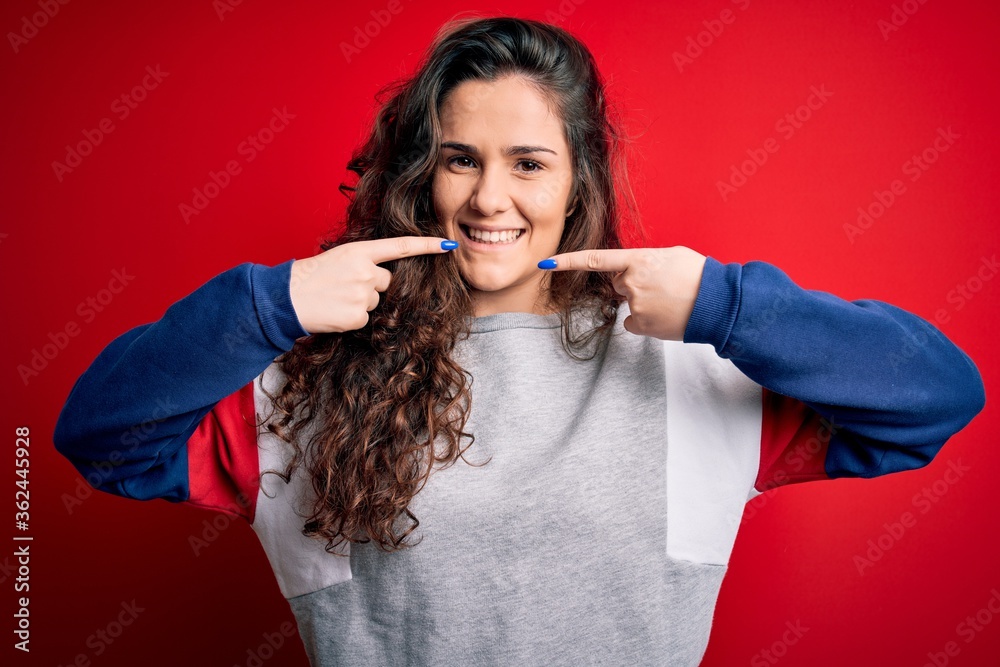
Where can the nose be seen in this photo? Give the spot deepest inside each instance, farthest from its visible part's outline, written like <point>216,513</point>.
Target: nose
<point>490,195</point>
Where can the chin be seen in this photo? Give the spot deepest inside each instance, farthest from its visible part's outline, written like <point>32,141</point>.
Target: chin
<point>493,281</point>
<point>487,285</point>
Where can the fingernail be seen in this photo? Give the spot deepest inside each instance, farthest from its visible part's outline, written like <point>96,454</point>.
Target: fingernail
<point>547,264</point>
<point>449,245</point>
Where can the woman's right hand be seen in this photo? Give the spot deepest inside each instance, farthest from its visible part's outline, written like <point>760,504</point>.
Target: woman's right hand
<point>334,291</point>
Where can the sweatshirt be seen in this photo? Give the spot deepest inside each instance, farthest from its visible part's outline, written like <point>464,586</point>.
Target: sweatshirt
<point>600,529</point>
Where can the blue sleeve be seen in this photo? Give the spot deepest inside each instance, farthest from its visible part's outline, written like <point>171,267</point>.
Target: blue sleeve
<point>893,386</point>
<point>127,418</point>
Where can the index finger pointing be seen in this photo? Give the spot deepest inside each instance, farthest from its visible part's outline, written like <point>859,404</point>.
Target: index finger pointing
<point>596,259</point>
<point>384,250</point>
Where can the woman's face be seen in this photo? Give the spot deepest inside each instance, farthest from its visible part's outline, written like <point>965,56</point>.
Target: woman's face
<point>501,189</point>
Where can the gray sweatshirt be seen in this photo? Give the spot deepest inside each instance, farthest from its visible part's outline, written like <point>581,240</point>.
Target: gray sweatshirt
<point>600,530</point>
<point>561,549</point>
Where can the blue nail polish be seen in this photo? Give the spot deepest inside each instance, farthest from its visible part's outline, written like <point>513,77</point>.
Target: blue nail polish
<point>547,264</point>
<point>449,245</point>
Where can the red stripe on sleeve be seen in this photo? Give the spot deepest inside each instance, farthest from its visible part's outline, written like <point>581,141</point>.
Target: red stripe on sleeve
<point>794,439</point>
<point>223,464</point>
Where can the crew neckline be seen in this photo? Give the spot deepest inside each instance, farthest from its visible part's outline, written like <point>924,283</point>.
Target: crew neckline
<point>520,320</point>
<point>513,320</point>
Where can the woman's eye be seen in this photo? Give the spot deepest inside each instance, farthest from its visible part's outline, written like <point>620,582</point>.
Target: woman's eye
<point>530,166</point>
<point>461,161</point>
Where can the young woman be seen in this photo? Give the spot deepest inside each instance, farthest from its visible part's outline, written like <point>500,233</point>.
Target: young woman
<point>454,454</point>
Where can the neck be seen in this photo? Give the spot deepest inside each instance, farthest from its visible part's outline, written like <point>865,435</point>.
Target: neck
<point>490,303</point>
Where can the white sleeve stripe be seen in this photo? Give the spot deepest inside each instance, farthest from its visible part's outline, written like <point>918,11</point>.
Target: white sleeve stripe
<point>301,564</point>
<point>714,416</point>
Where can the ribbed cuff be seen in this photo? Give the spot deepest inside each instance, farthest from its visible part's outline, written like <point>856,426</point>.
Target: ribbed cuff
<point>716,306</point>
<point>273,302</point>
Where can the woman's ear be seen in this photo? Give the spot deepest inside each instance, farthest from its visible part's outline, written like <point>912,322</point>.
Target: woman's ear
<point>573,207</point>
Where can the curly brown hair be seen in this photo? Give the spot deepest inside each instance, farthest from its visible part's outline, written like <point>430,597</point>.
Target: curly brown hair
<point>382,395</point>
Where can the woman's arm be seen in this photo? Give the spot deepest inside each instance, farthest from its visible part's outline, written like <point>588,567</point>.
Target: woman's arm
<point>851,388</point>
<point>166,410</point>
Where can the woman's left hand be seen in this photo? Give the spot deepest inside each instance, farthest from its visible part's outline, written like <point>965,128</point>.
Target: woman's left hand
<point>660,284</point>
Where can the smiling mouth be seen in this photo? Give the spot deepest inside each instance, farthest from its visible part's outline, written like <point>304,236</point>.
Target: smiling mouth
<point>506,237</point>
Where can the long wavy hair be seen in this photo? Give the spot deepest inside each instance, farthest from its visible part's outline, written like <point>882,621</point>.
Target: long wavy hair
<point>387,401</point>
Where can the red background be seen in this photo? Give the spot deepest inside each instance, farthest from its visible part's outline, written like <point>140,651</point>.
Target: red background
<point>794,557</point>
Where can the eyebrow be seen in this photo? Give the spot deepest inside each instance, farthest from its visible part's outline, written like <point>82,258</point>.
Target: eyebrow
<point>510,150</point>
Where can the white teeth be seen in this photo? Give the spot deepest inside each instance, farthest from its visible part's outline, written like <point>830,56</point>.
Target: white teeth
<point>506,236</point>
